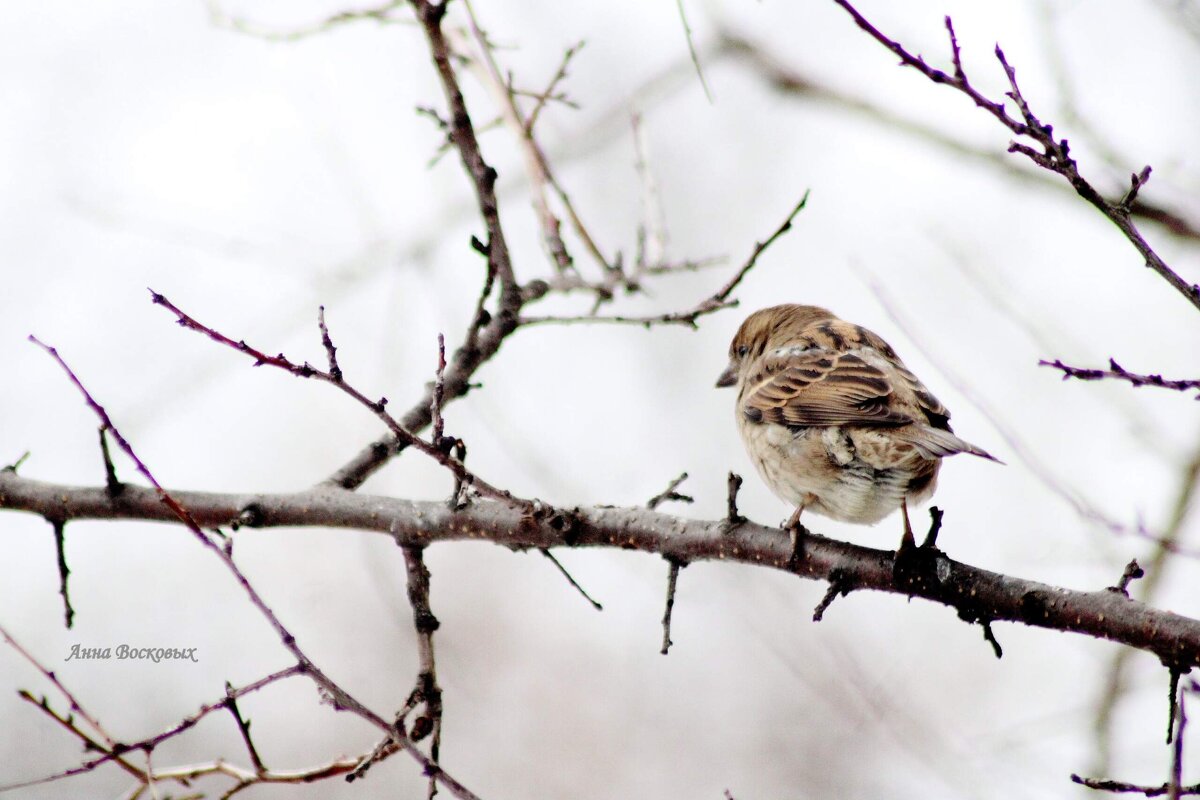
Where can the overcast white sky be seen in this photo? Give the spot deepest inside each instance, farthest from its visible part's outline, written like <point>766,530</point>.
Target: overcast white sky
<point>250,181</point>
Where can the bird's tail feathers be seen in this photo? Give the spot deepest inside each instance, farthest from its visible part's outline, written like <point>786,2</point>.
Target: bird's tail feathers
<point>938,443</point>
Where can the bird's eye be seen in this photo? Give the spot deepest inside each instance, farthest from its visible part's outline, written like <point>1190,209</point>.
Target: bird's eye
<point>742,351</point>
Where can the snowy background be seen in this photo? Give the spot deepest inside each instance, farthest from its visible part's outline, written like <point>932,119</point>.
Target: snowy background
<point>142,145</point>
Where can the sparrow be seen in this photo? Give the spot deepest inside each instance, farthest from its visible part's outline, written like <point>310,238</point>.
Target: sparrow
<point>833,420</point>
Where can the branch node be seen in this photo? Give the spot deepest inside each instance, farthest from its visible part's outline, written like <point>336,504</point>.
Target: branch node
<point>1132,572</point>
<point>251,516</point>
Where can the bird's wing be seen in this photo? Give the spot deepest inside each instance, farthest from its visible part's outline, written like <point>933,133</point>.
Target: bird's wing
<point>813,385</point>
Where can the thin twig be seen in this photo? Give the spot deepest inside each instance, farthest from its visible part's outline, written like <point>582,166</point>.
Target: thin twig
<point>1176,781</point>
<point>67,721</point>
<point>545,551</point>
<point>335,372</point>
<point>1136,181</point>
<point>1117,372</point>
<point>990,637</point>
<point>60,549</point>
<point>426,691</point>
<point>543,99</point>
<point>1172,702</point>
<point>1120,787</point>
<point>339,697</point>
<point>243,726</point>
<point>839,586</point>
<point>439,394</point>
<point>651,231</point>
<point>111,482</point>
<point>379,14</point>
<point>376,407</point>
<point>77,708</point>
<point>541,174</point>
<point>16,465</point>
<point>1174,787</point>
<point>670,494</point>
<point>114,752</point>
<point>717,301</point>
<point>672,579</point>
<point>687,32</point>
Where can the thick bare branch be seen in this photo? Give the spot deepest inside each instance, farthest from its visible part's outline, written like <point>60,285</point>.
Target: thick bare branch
<point>975,594</point>
<point>487,330</point>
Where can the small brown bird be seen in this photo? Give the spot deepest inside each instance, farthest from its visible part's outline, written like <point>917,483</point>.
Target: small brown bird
<point>832,418</point>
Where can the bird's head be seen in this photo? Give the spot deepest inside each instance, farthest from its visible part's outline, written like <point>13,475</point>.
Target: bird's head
<point>766,330</point>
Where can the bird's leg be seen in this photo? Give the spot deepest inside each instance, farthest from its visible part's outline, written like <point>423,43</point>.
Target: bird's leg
<point>796,532</point>
<point>794,519</point>
<point>907,542</point>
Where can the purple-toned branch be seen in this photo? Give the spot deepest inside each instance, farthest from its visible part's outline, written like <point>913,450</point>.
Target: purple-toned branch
<point>789,81</point>
<point>1054,154</point>
<point>1117,372</point>
<point>166,501</point>
<point>376,407</point>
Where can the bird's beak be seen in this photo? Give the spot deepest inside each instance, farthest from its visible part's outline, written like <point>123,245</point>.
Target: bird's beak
<point>728,377</point>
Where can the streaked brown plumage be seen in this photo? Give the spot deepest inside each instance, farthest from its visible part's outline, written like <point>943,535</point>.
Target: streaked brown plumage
<point>832,418</point>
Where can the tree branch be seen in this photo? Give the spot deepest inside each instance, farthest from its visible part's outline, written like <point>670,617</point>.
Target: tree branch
<point>488,331</point>
<point>976,594</point>
<point>1054,154</point>
<point>1117,372</point>
<point>167,503</point>
<point>426,692</point>
<point>790,82</point>
<point>717,301</point>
